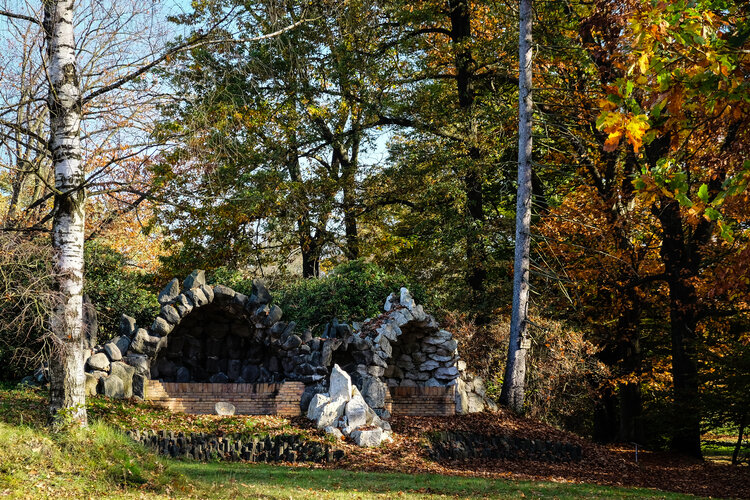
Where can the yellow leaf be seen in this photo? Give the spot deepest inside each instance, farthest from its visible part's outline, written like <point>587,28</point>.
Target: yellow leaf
<point>613,140</point>
<point>643,62</point>
<point>635,130</point>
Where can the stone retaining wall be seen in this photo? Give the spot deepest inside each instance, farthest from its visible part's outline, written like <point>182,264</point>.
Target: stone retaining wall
<point>461,445</point>
<point>248,399</point>
<point>422,401</point>
<point>234,448</point>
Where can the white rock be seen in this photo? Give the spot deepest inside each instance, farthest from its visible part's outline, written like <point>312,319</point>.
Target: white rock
<point>98,361</point>
<point>341,385</point>
<point>330,413</point>
<point>356,412</point>
<point>476,403</point>
<point>406,299</point>
<point>316,406</point>
<point>333,431</point>
<point>389,302</point>
<point>479,386</point>
<point>367,439</point>
<point>224,408</point>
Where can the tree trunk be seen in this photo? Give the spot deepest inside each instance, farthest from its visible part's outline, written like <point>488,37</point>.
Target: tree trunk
<point>349,183</point>
<point>310,257</point>
<point>512,394</point>
<point>630,362</point>
<point>350,223</point>
<point>67,396</point>
<point>460,16</point>
<point>680,263</point>
<point>738,446</point>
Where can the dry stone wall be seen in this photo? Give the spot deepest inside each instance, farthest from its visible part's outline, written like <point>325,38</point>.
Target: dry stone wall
<point>235,448</point>
<point>213,334</point>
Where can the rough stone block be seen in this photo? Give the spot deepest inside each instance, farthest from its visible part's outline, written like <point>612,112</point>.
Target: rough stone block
<point>194,280</point>
<point>127,325</point>
<point>197,297</point>
<point>112,351</point>
<point>225,409</point>
<point>169,292</point>
<point>356,412</point>
<point>330,413</point>
<point>143,343</point>
<point>125,373</point>
<point>122,342</point>
<point>429,365</point>
<point>448,373</point>
<point>374,392</point>
<point>139,385</point>
<point>169,313</point>
<point>208,292</point>
<point>368,438</point>
<point>223,294</point>
<point>183,304</point>
<point>98,361</point>
<point>91,383</point>
<point>112,387</point>
<point>315,408</point>
<point>261,292</point>
<point>161,326</point>
<point>340,385</point>
<point>333,431</point>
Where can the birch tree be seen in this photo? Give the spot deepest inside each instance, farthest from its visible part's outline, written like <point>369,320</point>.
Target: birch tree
<point>64,101</point>
<point>515,369</point>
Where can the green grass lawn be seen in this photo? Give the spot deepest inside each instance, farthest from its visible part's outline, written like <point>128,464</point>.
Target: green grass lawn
<point>265,481</point>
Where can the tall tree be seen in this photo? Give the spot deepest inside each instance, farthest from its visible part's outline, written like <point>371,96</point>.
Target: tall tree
<point>297,117</point>
<point>64,102</point>
<point>515,372</point>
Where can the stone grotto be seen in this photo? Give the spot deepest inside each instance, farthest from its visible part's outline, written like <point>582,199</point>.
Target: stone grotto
<point>206,335</point>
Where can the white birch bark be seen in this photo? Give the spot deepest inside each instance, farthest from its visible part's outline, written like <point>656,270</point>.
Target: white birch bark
<point>67,379</point>
<point>513,394</point>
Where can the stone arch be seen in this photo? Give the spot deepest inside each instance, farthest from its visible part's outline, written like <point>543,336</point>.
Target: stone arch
<point>207,333</point>
<point>219,343</point>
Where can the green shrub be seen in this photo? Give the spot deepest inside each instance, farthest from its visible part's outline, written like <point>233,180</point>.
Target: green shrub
<point>352,291</point>
<point>114,289</point>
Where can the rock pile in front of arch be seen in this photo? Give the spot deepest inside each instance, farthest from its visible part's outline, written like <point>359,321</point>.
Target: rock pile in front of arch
<point>342,411</point>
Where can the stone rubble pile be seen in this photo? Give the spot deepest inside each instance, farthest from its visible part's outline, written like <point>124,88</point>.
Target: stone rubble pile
<point>342,411</point>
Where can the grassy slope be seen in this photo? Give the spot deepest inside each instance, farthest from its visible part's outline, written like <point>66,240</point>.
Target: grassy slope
<point>101,462</point>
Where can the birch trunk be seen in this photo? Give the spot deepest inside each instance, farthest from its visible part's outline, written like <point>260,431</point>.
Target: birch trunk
<point>515,369</point>
<point>67,395</point>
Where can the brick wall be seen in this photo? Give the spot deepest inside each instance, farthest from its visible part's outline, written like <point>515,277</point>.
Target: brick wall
<point>283,398</point>
<point>248,399</point>
<point>422,401</point>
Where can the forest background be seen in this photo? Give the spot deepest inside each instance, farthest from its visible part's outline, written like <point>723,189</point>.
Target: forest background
<point>371,145</point>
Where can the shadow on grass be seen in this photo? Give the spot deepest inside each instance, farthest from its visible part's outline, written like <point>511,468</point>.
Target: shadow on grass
<point>266,481</point>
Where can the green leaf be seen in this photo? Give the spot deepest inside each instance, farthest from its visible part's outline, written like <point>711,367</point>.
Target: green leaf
<point>713,214</point>
<point>684,200</point>
<point>703,193</point>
